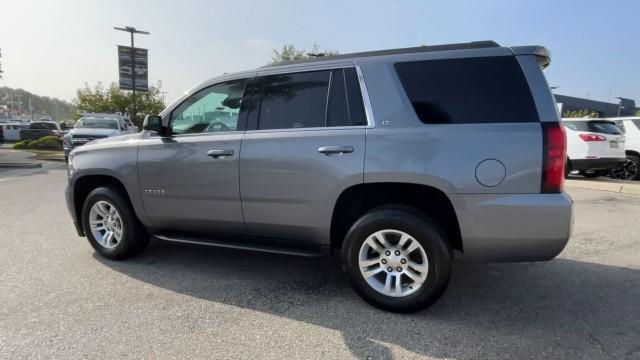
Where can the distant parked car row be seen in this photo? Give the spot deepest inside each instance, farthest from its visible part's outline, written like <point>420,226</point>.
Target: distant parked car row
<point>603,147</point>
<point>96,126</point>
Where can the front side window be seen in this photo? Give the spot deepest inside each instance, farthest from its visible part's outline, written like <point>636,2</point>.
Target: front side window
<point>210,110</point>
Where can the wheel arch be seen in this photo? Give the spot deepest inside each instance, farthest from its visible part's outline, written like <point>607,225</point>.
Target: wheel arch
<point>632,152</point>
<point>83,185</point>
<point>358,199</point>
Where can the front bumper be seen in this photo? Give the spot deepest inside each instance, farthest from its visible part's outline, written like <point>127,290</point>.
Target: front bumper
<point>68,195</point>
<point>513,227</point>
<point>597,164</point>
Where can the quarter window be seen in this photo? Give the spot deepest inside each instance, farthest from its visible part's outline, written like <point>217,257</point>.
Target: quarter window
<point>213,109</point>
<point>472,90</point>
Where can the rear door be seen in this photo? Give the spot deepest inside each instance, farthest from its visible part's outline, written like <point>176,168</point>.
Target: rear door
<point>305,143</point>
<point>189,181</point>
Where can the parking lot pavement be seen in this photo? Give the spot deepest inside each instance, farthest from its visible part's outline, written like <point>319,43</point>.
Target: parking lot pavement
<point>59,300</point>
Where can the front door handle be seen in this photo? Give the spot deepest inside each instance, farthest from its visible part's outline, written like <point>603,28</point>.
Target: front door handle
<point>335,150</point>
<point>220,153</point>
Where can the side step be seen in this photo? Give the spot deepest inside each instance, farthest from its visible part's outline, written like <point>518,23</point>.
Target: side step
<point>274,246</point>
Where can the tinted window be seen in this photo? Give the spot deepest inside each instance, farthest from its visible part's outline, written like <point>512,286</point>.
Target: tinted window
<point>356,107</point>
<point>475,90</point>
<point>293,100</point>
<point>605,127</point>
<point>338,109</point>
<point>214,109</point>
<point>598,126</point>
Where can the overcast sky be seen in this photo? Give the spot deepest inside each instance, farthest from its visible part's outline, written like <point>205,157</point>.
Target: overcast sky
<point>53,47</point>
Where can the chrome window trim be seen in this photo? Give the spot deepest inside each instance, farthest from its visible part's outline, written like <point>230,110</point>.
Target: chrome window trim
<point>363,92</point>
<point>368,109</point>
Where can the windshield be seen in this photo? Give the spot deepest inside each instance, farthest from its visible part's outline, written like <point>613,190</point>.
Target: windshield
<point>97,123</point>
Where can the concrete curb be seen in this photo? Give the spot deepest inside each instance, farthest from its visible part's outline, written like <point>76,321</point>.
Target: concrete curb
<point>616,187</point>
<point>20,165</point>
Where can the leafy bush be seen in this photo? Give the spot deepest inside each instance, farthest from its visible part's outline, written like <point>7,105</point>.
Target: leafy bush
<point>44,143</point>
<point>21,144</point>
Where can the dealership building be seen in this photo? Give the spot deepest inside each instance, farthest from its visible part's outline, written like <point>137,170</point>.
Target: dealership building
<point>626,107</point>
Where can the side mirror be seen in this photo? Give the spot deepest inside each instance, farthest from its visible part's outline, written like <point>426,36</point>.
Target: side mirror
<point>153,123</point>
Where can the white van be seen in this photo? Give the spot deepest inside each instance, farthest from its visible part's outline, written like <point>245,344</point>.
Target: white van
<point>11,131</point>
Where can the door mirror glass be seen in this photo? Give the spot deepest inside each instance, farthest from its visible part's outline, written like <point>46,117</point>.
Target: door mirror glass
<point>153,123</point>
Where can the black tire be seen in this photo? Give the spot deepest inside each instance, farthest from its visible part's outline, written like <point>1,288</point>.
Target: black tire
<point>593,173</point>
<point>632,164</point>
<point>134,236</point>
<point>567,168</point>
<point>418,226</point>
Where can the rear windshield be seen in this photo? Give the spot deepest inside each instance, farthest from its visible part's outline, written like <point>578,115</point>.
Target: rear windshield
<point>472,90</point>
<point>596,126</point>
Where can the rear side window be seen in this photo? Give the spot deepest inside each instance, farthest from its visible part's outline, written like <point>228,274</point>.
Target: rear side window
<point>345,106</point>
<point>325,98</point>
<point>472,90</point>
<point>293,100</point>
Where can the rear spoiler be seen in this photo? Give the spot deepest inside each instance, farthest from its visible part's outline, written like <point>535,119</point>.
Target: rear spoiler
<point>540,52</point>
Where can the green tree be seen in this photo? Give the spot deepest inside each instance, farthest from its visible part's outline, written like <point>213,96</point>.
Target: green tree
<point>290,53</point>
<point>579,113</point>
<point>113,99</point>
<point>638,113</point>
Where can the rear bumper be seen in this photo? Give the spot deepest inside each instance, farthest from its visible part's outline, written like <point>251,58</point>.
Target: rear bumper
<point>597,164</point>
<point>513,227</point>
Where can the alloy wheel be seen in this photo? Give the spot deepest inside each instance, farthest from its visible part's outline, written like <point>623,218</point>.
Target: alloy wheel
<point>628,171</point>
<point>106,224</point>
<point>393,263</point>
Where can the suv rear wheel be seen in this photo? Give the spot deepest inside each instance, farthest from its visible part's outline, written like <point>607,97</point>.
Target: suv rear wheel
<point>397,260</point>
<point>630,170</point>
<point>111,225</point>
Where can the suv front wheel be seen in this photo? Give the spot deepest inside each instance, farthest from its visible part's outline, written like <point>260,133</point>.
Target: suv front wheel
<point>397,259</point>
<point>111,225</point>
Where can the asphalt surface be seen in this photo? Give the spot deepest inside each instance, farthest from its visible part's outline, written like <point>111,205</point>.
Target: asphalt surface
<point>59,300</point>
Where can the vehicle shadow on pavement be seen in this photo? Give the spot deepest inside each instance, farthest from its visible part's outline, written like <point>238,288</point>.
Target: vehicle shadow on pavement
<point>557,309</point>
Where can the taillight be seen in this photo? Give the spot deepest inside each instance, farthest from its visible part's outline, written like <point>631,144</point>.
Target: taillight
<point>592,137</point>
<point>554,142</point>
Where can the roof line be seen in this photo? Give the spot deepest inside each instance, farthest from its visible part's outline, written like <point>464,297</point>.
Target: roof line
<point>417,49</point>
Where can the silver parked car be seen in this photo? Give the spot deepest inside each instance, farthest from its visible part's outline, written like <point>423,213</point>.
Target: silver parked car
<point>393,159</point>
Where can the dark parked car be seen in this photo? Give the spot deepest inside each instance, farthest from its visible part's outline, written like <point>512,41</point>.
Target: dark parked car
<point>39,129</point>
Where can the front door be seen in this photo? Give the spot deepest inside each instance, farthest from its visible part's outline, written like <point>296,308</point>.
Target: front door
<point>189,181</point>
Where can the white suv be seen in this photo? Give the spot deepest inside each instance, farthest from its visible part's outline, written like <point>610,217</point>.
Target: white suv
<point>594,146</point>
<point>630,126</point>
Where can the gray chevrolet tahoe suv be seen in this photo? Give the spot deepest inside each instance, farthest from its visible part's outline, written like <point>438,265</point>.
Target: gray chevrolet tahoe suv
<point>395,159</point>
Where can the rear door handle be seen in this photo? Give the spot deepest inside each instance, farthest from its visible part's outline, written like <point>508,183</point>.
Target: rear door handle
<point>335,150</point>
<point>220,153</point>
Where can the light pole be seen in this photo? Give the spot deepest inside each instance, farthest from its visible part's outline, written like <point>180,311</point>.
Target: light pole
<point>620,107</point>
<point>132,30</point>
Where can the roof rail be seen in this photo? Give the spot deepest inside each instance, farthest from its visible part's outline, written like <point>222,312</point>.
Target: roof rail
<point>417,49</point>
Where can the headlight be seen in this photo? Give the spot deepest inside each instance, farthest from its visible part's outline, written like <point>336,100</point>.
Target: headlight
<point>66,140</point>
<point>70,169</point>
